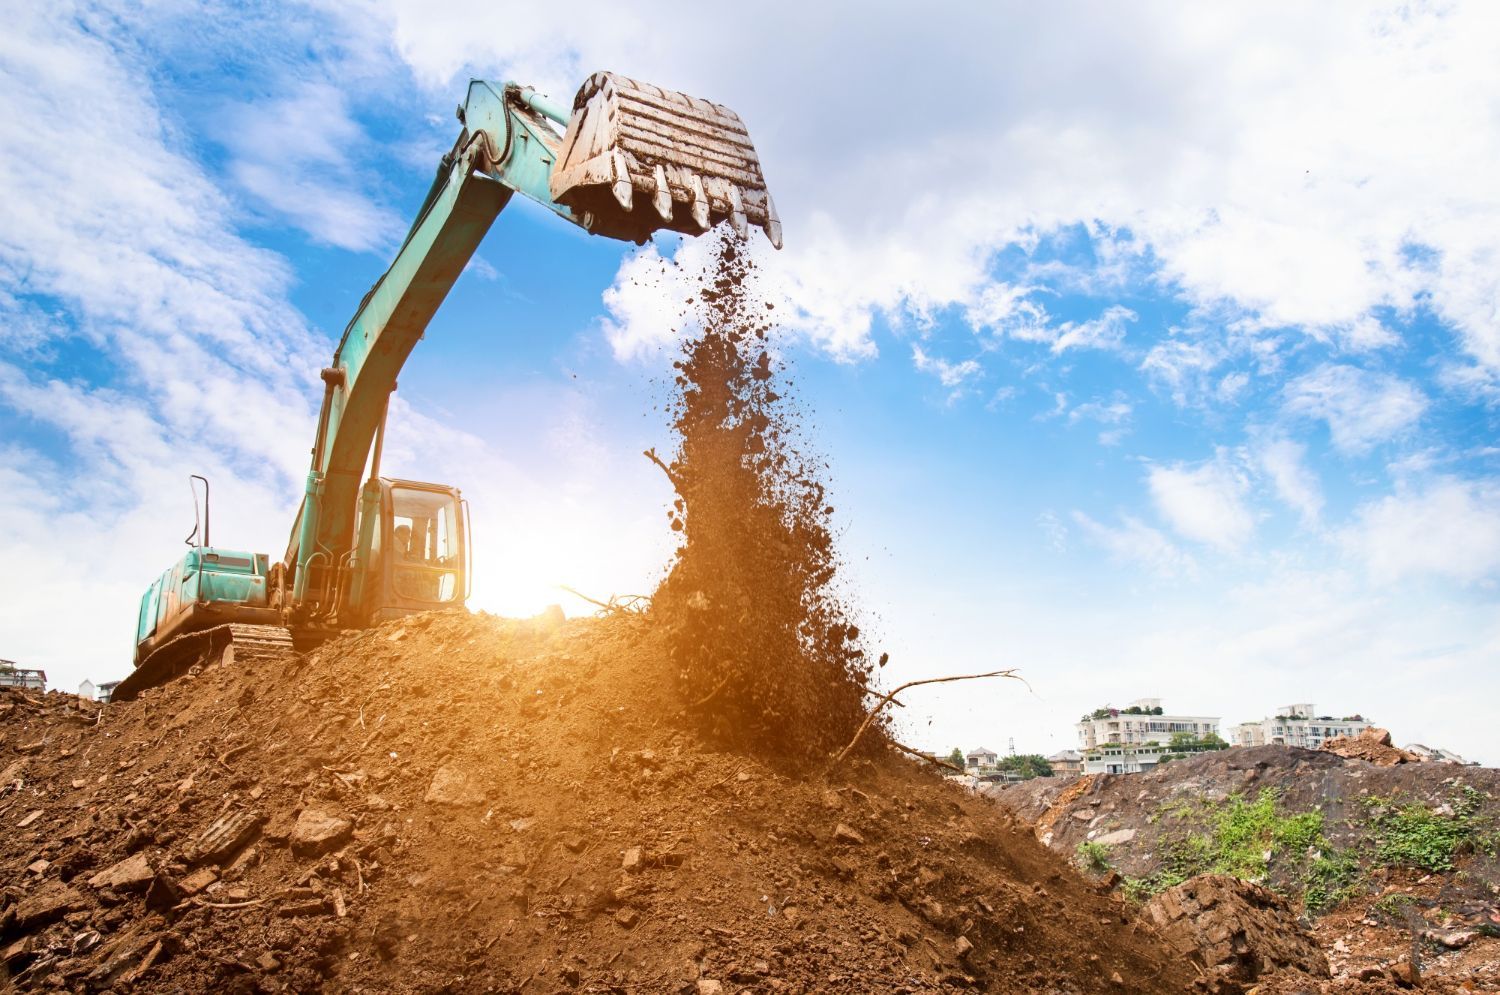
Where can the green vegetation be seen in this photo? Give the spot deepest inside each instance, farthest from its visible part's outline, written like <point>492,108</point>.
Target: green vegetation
<point>1245,838</point>
<point>1257,840</point>
<point>1028,765</point>
<point>1188,741</point>
<point>956,758</point>
<point>1419,837</point>
<point>1093,856</point>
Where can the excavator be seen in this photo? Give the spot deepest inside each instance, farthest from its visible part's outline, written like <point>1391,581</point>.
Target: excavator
<point>627,160</point>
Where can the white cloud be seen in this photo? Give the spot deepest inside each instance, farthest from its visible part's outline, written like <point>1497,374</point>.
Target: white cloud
<point>1204,503</point>
<point>1283,159</point>
<point>951,375</point>
<point>1104,332</point>
<point>297,156</point>
<point>1447,528</point>
<point>1133,541</point>
<point>1362,408</point>
<point>1284,461</point>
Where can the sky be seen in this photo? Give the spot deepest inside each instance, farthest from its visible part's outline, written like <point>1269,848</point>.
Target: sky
<point>1154,349</point>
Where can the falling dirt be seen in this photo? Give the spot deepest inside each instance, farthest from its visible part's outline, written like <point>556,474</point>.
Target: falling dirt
<point>767,653</point>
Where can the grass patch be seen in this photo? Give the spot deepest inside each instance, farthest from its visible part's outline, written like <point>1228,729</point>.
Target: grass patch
<point>1426,839</point>
<point>1093,856</point>
<point>1244,838</point>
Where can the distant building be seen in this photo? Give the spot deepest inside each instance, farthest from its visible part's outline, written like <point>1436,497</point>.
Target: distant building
<point>1066,763</point>
<point>1126,759</point>
<point>87,690</point>
<point>13,676</point>
<point>981,758</point>
<point>1141,723</point>
<point>1298,725</point>
<point>106,691</point>
<point>100,693</point>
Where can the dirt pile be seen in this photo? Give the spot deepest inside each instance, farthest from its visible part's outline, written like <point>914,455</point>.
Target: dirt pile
<point>461,803</point>
<point>1371,744</point>
<point>767,651</point>
<point>1237,932</point>
<point>1392,864</point>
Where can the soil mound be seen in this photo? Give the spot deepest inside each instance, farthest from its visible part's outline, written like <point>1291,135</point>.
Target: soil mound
<point>465,803</point>
<point>1236,931</point>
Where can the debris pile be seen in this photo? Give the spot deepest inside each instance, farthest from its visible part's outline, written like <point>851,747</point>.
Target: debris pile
<point>1371,744</point>
<point>1237,932</point>
<point>467,803</point>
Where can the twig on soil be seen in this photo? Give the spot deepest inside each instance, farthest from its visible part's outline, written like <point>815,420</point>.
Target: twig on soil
<point>228,905</point>
<point>650,454</point>
<point>922,756</point>
<point>710,696</point>
<point>619,604</point>
<point>886,699</point>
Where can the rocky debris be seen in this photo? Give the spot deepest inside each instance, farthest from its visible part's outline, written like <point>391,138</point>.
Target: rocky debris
<point>130,874</point>
<point>1372,744</point>
<point>46,905</point>
<point>1236,931</point>
<point>225,836</point>
<point>318,832</point>
<point>739,880</point>
<point>452,787</point>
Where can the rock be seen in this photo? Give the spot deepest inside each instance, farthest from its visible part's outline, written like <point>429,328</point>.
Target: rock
<point>1235,929</point>
<point>47,905</point>
<point>832,801</point>
<point>225,836</point>
<point>450,786</point>
<point>26,749</point>
<point>28,820</point>
<point>843,834</point>
<point>1082,815</point>
<point>627,918</point>
<point>707,987</point>
<point>1115,978</point>
<point>130,874</point>
<point>163,894</point>
<point>1455,939</point>
<point>633,860</point>
<point>1117,837</point>
<point>38,867</point>
<point>318,832</point>
<point>304,907</point>
<point>198,880</point>
<point>962,947</point>
<point>1406,973</point>
<point>267,962</point>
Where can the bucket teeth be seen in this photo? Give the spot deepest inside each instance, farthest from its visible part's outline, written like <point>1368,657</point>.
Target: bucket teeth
<point>692,159</point>
<point>662,199</point>
<point>700,203</point>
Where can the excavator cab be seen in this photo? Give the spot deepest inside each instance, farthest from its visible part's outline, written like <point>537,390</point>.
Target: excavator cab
<point>414,550</point>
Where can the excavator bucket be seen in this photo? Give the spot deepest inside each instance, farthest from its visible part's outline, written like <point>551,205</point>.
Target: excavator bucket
<point>637,159</point>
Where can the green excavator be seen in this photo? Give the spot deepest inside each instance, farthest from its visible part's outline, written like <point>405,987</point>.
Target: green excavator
<point>627,160</point>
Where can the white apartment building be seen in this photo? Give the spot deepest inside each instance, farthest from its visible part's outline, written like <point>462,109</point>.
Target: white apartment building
<point>1297,725</point>
<point>1142,721</point>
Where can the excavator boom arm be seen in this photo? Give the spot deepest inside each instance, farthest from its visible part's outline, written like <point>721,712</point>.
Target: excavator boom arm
<point>690,159</point>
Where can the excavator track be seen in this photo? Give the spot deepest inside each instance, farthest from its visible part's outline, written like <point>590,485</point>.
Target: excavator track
<point>232,644</point>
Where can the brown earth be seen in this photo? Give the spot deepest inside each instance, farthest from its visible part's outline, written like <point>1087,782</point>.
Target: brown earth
<point>1448,922</point>
<point>467,803</point>
<point>1371,744</point>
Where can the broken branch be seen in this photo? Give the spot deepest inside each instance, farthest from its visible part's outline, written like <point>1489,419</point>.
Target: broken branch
<point>886,699</point>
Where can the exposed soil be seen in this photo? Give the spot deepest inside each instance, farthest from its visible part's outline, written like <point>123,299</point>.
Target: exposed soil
<point>466,803</point>
<point>1446,922</point>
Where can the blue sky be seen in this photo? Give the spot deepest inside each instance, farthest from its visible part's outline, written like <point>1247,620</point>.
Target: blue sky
<point>1154,352</point>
